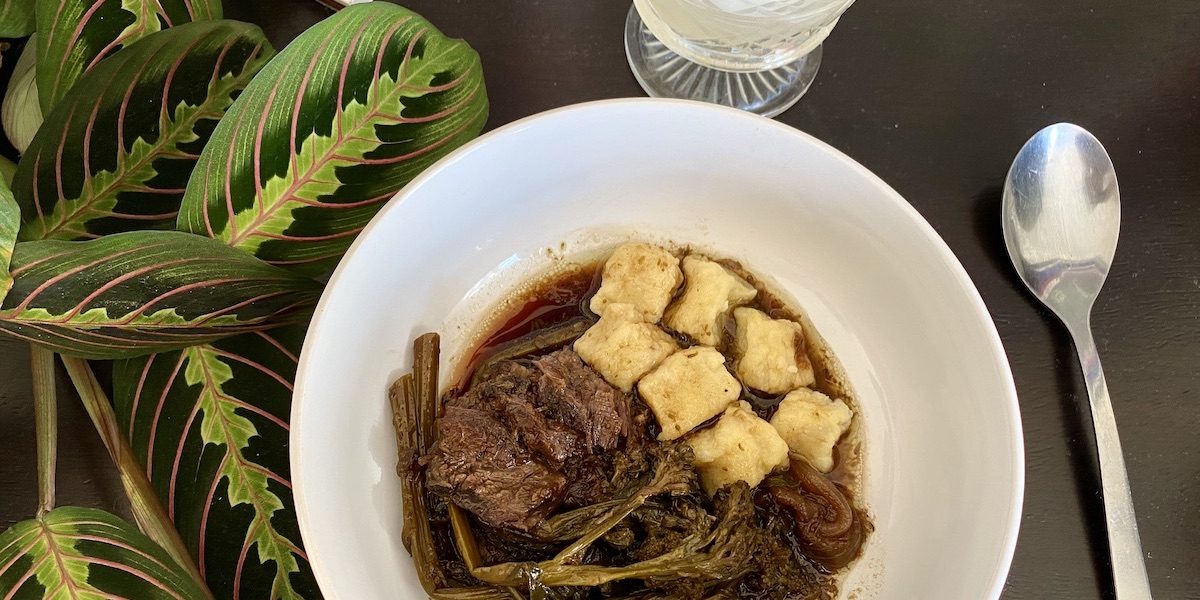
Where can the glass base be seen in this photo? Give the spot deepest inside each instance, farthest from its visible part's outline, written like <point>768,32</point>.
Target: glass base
<point>665,74</point>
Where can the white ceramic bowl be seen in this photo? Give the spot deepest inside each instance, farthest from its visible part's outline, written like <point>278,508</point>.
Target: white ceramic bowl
<point>944,472</point>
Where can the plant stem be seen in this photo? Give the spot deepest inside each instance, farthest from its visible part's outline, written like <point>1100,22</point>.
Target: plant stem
<point>45,406</point>
<point>147,510</point>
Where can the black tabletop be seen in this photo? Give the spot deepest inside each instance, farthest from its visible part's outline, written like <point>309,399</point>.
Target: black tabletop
<point>935,97</point>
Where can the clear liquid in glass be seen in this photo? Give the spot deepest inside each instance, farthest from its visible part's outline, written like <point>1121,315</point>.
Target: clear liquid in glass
<point>741,35</point>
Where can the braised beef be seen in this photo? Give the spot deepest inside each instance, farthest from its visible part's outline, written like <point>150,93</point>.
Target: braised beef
<point>578,397</point>
<point>510,397</point>
<point>477,464</point>
<point>531,437</point>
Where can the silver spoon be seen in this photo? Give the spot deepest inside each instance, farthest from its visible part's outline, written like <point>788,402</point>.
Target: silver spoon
<point>1061,215</point>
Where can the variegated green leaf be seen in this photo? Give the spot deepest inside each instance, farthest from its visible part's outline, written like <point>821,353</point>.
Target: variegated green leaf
<point>210,426</point>
<point>134,293</point>
<point>16,18</point>
<point>87,554</point>
<point>116,155</point>
<point>20,113</point>
<point>75,35</point>
<point>339,121</point>
<point>10,223</point>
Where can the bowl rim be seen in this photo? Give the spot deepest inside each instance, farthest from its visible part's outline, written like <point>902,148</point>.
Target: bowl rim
<point>959,273</point>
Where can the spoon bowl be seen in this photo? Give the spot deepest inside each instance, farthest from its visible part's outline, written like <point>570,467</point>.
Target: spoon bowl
<point>1062,248</point>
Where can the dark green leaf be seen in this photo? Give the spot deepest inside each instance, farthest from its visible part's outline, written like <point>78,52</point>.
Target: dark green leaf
<point>10,223</point>
<point>87,553</point>
<point>16,18</point>
<point>75,35</point>
<point>117,154</point>
<point>210,425</point>
<point>7,170</point>
<point>20,113</point>
<point>130,294</point>
<point>338,122</point>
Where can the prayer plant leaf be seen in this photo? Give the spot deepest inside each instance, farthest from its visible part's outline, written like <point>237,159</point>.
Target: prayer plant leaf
<point>117,153</point>
<point>135,293</point>
<point>75,35</point>
<point>340,120</point>
<point>209,424</point>
<point>71,553</point>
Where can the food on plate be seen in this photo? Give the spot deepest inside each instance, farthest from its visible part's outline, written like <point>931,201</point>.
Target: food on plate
<point>587,449</point>
<point>688,388</point>
<point>828,526</point>
<point>642,275</point>
<point>741,446</point>
<point>710,291</point>
<point>770,352</point>
<point>811,423</point>
<point>520,444</point>
<point>622,346</point>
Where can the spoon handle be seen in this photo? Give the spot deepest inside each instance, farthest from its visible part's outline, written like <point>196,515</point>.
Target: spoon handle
<point>1124,545</point>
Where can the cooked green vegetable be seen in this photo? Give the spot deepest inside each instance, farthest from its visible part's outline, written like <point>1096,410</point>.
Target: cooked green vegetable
<point>414,404</point>
<point>573,524</point>
<point>537,342</point>
<point>723,554</point>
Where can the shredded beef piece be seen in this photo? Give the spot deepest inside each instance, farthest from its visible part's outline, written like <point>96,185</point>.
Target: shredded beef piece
<point>510,397</point>
<point>578,397</point>
<point>531,437</point>
<point>479,466</point>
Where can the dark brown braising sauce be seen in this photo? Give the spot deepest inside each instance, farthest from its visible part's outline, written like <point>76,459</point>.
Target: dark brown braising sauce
<point>547,303</point>
<point>565,295</point>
